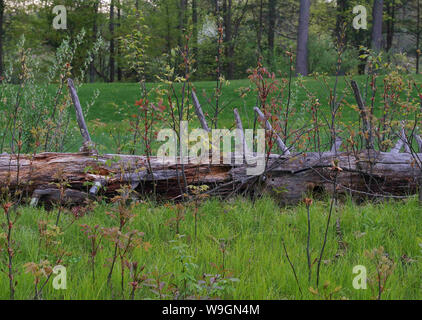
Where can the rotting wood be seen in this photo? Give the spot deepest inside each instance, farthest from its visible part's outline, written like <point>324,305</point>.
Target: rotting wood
<point>288,177</point>
<point>296,175</point>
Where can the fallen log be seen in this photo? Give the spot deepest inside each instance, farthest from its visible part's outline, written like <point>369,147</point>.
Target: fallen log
<point>73,178</point>
<point>289,177</point>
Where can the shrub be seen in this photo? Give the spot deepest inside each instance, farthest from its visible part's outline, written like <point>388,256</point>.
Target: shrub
<point>36,114</point>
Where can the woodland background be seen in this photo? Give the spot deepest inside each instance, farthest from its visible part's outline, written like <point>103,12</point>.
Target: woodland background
<point>139,37</point>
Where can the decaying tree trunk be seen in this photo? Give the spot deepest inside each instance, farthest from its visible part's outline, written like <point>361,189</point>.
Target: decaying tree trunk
<point>289,177</point>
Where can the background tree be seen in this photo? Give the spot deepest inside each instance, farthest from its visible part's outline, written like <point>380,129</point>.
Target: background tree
<point>250,28</point>
<point>390,22</point>
<point>119,62</point>
<point>232,17</point>
<point>418,33</point>
<point>1,36</point>
<point>377,14</point>
<point>260,25</point>
<point>341,19</point>
<point>271,29</point>
<point>409,26</point>
<point>195,31</point>
<point>95,6</point>
<point>111,28</point>
<point>302,38</point>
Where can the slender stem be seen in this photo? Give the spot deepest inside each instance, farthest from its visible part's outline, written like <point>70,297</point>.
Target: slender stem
<point>10,255</point>
<point>308,242</point>
<point>291,264</point>
<point>333,200</point>
<point>112,265</point>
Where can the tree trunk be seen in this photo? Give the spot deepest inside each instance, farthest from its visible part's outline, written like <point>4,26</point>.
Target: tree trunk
<point>2,6</point>
<point>341,19</point>
<point>367,174</point>
<point>377,25</point>
<point>94,37</point>
<point>260,26</point>
<point>195,31</point>
<point>119,68</point>
<point>111,27</point>
<point>391,11</point>
<point>271,30</point>
<point>228,41</point>
<point>168,29</point>
<point>182,21</point>
<point>418,34</point>
<point>302,38</point>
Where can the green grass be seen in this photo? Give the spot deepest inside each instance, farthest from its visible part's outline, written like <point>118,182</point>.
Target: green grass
<point>108,119</point>
<point>254,255</point>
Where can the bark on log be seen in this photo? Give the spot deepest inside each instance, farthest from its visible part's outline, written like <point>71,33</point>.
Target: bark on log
<point>288,177</point>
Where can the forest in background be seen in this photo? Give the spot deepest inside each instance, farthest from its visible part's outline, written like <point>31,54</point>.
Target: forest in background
<point>138,39</point>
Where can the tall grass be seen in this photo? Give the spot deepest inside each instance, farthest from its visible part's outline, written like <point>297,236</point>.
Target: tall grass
<point>254,255</point>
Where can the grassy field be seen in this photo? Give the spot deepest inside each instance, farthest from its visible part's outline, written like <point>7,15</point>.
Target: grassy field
<point>108,119</point>
<point>109,116</point>
<point>233,249</point>
<point>246,237</point>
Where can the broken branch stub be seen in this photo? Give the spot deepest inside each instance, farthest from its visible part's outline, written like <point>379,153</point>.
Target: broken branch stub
<point>241,132</point>
<point>269,127</point>
<point>337,144</point>
<point>365,115</point>
<point>401,142</point>
<point>199,112</point>
<point>88,146</point>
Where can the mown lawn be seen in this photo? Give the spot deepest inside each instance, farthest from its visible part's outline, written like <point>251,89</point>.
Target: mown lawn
<point>247,236</point>
<point>108,119</point>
